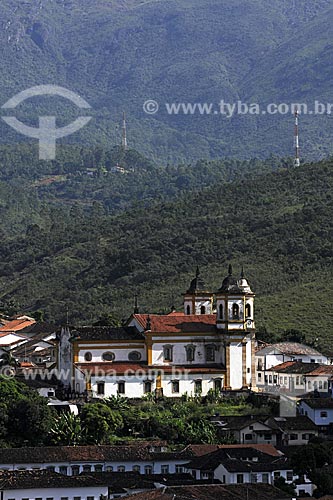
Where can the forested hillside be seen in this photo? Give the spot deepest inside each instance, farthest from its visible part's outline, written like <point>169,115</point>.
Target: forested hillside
<point>93,258</point>
<point>119,54</point>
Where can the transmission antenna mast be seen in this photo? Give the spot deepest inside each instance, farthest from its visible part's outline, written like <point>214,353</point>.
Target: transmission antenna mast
<point>297,157</point>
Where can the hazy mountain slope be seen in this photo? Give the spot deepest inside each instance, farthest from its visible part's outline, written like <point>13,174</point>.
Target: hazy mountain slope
<point>118,54</point>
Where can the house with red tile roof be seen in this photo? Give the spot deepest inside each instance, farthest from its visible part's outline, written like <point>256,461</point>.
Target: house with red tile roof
<point>190,352</point>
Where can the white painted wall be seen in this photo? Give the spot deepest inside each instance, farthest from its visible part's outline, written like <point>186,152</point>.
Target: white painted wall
<point>179,351</point>
<point>236,374</point>
<point>121,354</point>
<point>57,493</point>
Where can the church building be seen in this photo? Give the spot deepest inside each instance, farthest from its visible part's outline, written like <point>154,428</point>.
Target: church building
<point>210,345</point>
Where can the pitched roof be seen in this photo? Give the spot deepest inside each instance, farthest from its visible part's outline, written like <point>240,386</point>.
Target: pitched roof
<point>203,323</point>
<point>238,459</point>
<point>319,403</point>
<point>291,348</point>
<point>49,454</point>
<point>295,367</point>
<point>15,480</point>
<point>17,324</point>
<point>301,422</point>
<point>214,492</point>
<point>203,449</point>
<point>238,422</point>
<point>87,333</point>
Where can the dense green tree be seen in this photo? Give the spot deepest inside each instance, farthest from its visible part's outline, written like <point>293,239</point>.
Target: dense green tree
<point>100,423</point>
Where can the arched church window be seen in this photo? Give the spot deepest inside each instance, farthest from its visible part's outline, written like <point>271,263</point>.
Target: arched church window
<point>134,356</point>
<point>235,311</point>
<point>88,356</point>
<point>202,310</point>
<point>190,352</point>
<point>147,387</point>
<point>108,356</point>
<point>221,311</point>
<point>248,310</point>
<point>218,385</point>
<point>167,352</point>
<point>188,310</point>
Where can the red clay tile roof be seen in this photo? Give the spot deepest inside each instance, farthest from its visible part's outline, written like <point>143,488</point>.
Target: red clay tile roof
<point>27,479</point>
<point>295,367</point>
<point>79,454</point>
<point>179,323</point>
<point>104,368</point>
<point>214,492</point>
<point>16,325</point>
<point>199,450</point>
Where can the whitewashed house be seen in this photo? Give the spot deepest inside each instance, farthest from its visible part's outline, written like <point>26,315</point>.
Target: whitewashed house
<point>47,485</point>
<point>276,354</point>
<point>320,411</point>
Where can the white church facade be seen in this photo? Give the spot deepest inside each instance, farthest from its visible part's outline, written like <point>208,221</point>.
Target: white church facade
<point>210,345</point>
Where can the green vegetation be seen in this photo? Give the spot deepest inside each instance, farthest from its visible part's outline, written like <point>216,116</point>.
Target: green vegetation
<point>92,243</point>
<point>212,50</point>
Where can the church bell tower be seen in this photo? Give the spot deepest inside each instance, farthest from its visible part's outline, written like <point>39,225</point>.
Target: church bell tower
<point>235,321</point>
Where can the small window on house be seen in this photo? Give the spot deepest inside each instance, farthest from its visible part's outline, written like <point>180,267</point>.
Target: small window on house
<point>240,479</point>
<point>297,380</point>
<point>265,478</point>
<point>248,310</point>
<point>309,384</point>
<point>312,360</point>
<point>108,356</point>
<point>254,478</point>
<point>121,468</point>
<point>210,352</point>
<point>293,437</point>
<point>87,468</point>
<point>63,470</point>
<point>190,352</point>
<point>75,470</point>
<point>77,498</point>
<point>285,380</point>
<point>320,384</point>
<point>147,387</point>
<point>90,498</point>
<point>289,475</point>
<point>267,437</point>
<point>323,414</point>
<point>179,469</point>
<point>148,469</point>
<point>270,379</point>
<point>121,388</point>
<point>198,386</point>
<point>98,468</point>
<point>49,467</point>
<point>277,474</point>
<point>134,356</point>
<point>235,311</point>
<point>164,469</point>
<point>109,468</point>
<point>275,379</point>
<point>325,385</point>
<point>248,437</point>
<point>259,376</point>
<point>221,311</point>
<point>88,356</point>
<point>188,310</point>
<point>167,352</point>
<point>136,468</point>
<point>218,385</point>
<point>202,310</point>
<point>175,386</point>
<point>101,388</point>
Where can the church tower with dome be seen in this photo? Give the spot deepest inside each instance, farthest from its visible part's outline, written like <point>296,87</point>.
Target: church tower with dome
<point>235,320</point>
